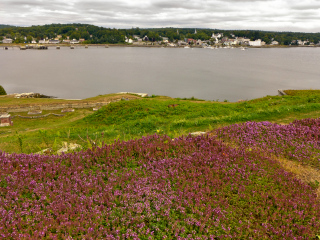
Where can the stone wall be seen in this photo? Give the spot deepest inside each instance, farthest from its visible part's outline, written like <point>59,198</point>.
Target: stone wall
<point>57,106</point>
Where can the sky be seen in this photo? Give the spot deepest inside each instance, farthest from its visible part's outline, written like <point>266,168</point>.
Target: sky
<point>269,15</point>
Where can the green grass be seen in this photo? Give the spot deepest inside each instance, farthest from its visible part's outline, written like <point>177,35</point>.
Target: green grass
<point>9,100</point>
<point>126,120</point>
<point>305,93</point>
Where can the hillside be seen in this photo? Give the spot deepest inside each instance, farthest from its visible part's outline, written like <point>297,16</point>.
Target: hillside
<point>254,174</point>
<point>127,120</point>
<point>101,35</point>
<point>157,187</point>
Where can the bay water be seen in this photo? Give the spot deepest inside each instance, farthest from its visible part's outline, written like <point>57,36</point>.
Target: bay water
<point>210,74</point>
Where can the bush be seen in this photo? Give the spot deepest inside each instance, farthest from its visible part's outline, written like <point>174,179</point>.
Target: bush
<point>2,91</point>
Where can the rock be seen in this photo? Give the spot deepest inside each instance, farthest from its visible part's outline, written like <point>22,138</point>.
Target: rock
<point>197,133</point>
<point>30,95</point>
<point>68,147</point>
<point>67,110</point>
<point>24,95</point>
<point>139,94</point>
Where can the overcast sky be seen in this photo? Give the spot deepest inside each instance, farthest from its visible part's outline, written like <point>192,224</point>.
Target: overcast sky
<point>278,15</point>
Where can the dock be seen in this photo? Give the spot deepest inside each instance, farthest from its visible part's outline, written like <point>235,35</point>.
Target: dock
<point>281,92</point>
<point>39,47</point>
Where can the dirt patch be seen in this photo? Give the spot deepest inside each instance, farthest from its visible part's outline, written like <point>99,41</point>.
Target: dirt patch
<point>305,173</point>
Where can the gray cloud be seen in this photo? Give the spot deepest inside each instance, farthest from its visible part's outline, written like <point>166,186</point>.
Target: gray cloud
<point>281,15</point>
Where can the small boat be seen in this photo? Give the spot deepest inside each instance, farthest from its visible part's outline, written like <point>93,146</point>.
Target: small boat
<point>71,47</point>
<point>58,47</point>
<point>186,47</point>
<point>5,48</point>
<point>242,48</point>
<point>86,46</point>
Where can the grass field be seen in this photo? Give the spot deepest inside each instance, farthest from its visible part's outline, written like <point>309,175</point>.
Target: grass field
<point>132,119</point>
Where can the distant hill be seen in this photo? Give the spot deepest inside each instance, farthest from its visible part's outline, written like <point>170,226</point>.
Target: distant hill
<point>5,26</point>
<point>101,35</point>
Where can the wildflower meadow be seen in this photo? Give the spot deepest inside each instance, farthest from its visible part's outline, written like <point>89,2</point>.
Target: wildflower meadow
<point>156,187</point>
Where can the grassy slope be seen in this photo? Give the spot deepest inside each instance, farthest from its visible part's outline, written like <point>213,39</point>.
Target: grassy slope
<point>132,119</point>
<point>9,100</point>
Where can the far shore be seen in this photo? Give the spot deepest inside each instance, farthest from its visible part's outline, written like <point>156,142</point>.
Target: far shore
<point>13,45</point>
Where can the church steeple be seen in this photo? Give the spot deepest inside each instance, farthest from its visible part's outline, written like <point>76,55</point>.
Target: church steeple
<point>195,31</point>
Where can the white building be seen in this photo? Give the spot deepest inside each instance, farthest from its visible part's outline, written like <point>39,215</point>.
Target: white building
<point>218,35</point>
<point>54,41</point>
<point>7,40</point>
<point>165,39</point>
<point>43,41</point>
<point>128,40</point>
<point>256,43</point>
<point>74,41</point>
<point>182,43</point>
<point>242,40</point>
<point>302,42</point>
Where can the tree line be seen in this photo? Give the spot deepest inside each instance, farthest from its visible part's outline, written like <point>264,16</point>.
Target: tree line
<point>101,35</point>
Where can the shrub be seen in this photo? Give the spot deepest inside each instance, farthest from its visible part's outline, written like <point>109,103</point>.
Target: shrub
<point>2,91</point>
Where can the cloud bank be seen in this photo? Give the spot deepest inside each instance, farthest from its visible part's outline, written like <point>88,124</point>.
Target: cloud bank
<point>276,15</point>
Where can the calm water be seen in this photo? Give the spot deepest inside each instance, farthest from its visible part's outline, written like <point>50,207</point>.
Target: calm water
<point>221,74</point>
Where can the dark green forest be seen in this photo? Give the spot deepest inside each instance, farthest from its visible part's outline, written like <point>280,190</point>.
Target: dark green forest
<point>6,26</point>
<point>100,35</point>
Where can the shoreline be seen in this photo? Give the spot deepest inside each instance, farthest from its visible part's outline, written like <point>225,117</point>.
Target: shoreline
<point>146,46</point>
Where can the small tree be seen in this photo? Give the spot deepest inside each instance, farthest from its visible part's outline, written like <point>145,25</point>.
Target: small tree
<point>2,91</point>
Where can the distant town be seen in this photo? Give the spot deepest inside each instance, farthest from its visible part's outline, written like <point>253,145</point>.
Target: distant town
<point>89,34</point>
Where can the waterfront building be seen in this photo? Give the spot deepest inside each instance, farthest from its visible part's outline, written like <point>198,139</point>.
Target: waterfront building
<point>256,43</point>
<point>54,41</point>
<point>74,41</point>
<point>42,41</point>
<point>7,40</point>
